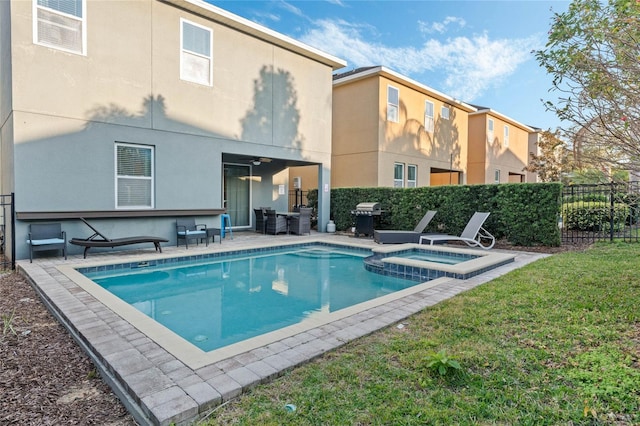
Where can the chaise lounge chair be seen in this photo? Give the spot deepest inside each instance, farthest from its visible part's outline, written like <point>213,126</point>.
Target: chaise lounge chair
<point>93,240</point>
<point>384,236</point>
<point>473,234</point>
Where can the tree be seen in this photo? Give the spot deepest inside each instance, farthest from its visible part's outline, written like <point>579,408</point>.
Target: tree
<point>593,56</point>
<point>551,160</point>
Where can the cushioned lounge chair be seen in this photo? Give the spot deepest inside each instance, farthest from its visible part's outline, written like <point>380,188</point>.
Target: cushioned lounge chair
<point>474,235</point>
<point>385,236</point>
<point>188,229</point>
<point>46,236</point>
<point>99,240</point>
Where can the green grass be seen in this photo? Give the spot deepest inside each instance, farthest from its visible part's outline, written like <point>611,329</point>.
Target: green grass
<point>555,342</point>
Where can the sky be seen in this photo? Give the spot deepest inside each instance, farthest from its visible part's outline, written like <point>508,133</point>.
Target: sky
<point>480,52</point>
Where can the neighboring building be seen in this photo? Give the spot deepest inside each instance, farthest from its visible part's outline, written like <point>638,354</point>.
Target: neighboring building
<point>498,148</point>
<point>136,112</point>
<point>534,138</point>
<point>391,131</point>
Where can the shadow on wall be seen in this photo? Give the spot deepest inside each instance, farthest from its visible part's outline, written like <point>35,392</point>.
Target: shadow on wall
<point>275,117</point>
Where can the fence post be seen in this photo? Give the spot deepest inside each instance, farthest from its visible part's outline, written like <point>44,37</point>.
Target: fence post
<point>612,210</point>
<point>13,232</point>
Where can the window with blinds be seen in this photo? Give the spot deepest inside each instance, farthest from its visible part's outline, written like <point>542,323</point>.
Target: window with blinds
<point>412,176</point>
<point>393,103</point>
<point>134,176</point>
<point>196,55</point>
<point>428,116</point>
<point>60,24</point>
<point>398,175</point>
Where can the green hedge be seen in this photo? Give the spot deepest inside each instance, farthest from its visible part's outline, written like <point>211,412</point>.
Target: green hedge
<point>524,214</point>
<point>595,216</point>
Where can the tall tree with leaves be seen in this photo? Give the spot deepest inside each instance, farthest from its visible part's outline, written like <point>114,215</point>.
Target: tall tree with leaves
<point>593,54</point>
<point>551,160</point>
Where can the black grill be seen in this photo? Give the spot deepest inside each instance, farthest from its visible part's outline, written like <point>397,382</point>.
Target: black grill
<point>366,215</point>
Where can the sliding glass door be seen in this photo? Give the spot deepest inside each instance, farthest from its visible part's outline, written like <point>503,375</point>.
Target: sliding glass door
<point>236,193</point>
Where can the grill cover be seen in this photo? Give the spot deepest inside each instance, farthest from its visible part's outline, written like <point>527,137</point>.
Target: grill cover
<point>368,207</point>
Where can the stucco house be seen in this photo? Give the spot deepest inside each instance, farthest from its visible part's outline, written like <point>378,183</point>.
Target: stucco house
<point>133,113</point>
<point>391,131</point>
<point>499,148</point>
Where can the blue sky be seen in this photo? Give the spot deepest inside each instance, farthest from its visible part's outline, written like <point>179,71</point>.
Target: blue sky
<point>477,51</point>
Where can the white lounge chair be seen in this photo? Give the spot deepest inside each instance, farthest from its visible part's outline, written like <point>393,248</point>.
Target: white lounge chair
<point>473,234</point>
<point>389,236</point>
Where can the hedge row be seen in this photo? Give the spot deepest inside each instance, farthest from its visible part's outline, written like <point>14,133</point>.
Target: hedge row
<point>524,214</point>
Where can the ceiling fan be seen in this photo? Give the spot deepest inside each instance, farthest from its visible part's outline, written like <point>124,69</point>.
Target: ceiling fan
<point>258,161</point>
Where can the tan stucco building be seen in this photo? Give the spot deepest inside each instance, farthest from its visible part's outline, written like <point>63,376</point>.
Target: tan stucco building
<point>498,148</point>
<point>391,131</point>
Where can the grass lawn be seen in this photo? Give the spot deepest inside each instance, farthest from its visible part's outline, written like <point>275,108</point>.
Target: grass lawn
<point>555,342</point>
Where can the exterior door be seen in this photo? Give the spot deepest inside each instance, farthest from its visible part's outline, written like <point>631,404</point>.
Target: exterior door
<point>236,193</point>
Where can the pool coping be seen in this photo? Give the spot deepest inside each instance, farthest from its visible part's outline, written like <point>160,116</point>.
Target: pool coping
<point>158,388</point>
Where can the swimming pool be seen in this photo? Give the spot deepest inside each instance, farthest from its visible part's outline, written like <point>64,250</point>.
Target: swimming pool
<point>218,301</point>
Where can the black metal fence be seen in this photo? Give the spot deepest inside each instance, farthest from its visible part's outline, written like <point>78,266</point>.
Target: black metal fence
<point>600,212</point>
<point>7,225</point>
<point>297,199</point>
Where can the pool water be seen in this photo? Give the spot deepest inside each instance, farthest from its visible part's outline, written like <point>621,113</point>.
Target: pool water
<point>438,257</point>
<point>215,303</point>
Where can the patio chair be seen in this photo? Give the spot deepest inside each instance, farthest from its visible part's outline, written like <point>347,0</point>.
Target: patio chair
<point>301,223</point>
<point>385,236</point>
<point>261,220</point>
<point>275,223</point>
<point>187,228</point>
<point>99,240</point>
<point>473,234</point>
<point>46,236</point>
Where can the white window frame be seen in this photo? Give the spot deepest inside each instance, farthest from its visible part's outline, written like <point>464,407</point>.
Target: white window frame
<point>61,15</point>
<point>429,119</point>
<point>506,136</point>
<point>398,183</point>
<point>393,109</point>
<point>490,130</point>
<point>412,183</point>
<point>444,112</point>
<point>496,176</point>
<point>184,75</point>
<point>151,178</point>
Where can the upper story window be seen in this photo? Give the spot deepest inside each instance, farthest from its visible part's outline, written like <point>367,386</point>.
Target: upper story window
<point>398,175</point>
<point>60,24</point>
<point>393,102</point>
<point>444,112</point>
<point>496,176</point>
<point>506,136</point>
<point>490,134</point>
<point>196,58</point>
<point>134,176</point>
<point>428,116</point>
<point>412,176</point>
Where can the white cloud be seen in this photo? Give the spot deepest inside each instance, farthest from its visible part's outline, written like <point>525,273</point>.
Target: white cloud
<point>440,27</point>
<point>465,67</point>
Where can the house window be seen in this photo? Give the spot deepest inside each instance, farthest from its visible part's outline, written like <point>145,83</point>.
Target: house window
<point>393,102</point>
<point>398,175</point>
<point>134,176</point>
<point>506,136</point>
<point>412,176</point>
<point>60,24</point>
<point>428,116</point>
<point>444,112</point>
<point>196,56</point>
<point>496,176</point>
<point>490,134</point>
